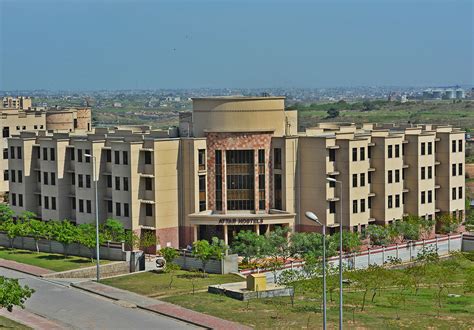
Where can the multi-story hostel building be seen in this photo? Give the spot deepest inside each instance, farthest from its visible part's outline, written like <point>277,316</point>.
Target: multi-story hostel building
<point>239,163</point>
<point>17,115</point>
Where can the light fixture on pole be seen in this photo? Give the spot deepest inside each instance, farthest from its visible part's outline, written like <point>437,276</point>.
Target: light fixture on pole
<point>340,249</point>
<point>311,216</point>
<point>97,246</point>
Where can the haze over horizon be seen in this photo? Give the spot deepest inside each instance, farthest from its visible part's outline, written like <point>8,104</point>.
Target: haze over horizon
<point>106,45</point>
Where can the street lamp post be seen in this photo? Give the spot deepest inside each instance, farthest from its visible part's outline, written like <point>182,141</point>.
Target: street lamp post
<point>311,216</point>
<point>97,246</point>
<point>340,249</point>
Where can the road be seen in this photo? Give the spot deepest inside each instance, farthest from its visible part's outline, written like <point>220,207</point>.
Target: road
<point>76,309</point>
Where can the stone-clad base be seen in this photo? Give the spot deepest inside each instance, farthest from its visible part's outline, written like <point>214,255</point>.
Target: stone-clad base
<point>168,237</point>
<point>238,291</point>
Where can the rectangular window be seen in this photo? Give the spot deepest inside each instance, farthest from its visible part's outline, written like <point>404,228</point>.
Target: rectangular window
<point>423,148</point>
<point>79,155</point>
<point>46,202</point>
<point>332,207</point>
<point>117,209</point>
<point>52,154</point>
<point>390,202</point>
<point>117,183</point>
<point>423,173</point>
<point>369,177</point>
<point>125,184</point>
<point>369,203</point>
<point>148,210</point>
<point>19,153</point>
<point>460,145</point>
<point>354,154</point>
<point>148,184</point>
<point>108,155</point>
<point>13,199</point>
<point>277,158</point>
<point>423,197</point>
<point>332,184</point>
<point>87,158</point>
<point>6,132</point>
<point>117,157</point>
<point>73,203</point>
<point>430,148</point>
<point>147,157</point>
<point>362,153</point>
<point>362,205</point>
<point>125,158</point>
<point>218,178</point>
<point>389,176</point>
<point>460,169</point>
<point>72,154</point>
<point>397,151</point>
<point>453,146</point>
<point>202,193</point>
<point>45,153</point>
<point>332,155</point>
<point>453,193</point>
<point>460,193</point>
<point>20,176</point>
<point>73,179</point>
<point>53,178</point>
<point>81,205</point>
<point>202,159</point>
<point>80,181</point>
<point>88,181</point>
<point>430,196</point>
<point>397,175</point>
<point>20,200</point>
<point>390,151</point>
<point>354,206</point>
<point>53,203</point>
<point>126,210</point>
<point>109,207</point>
<point>397,200</point>
<point>5,153</point>
<point>354,180</point>
<point>109,181</point>
<point>38,176</point>
<point>430,172</point>
<point>5,175</point>
<point>362,179</point>
<point>45,178</point>
<point>453,169</point>
<point>89,206</point>
<point>12,152</point>
<point>13,176</point>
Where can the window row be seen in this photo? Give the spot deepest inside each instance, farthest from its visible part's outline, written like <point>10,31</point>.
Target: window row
<point>14,176</point>
<point>13,199</point>
<point>391,148</point>
<point>356,203</point>
<point>393,176</point>
<point>458,144</point>
<point>126,209</point>
<point>426,172</point>
<point>122,184</point>
<point>81,203</point>
<point>456,169</point>
<point>396,198</point>
<point>426,148</point>
<point>358,152</point>
<point>357,179</point>
<point>19,153</point>
<point>456,193</point>
<point>427,197</point>
<point>46,178</point>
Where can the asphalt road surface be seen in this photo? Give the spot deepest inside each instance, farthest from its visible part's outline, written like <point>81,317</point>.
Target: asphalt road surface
<point>76,309</point>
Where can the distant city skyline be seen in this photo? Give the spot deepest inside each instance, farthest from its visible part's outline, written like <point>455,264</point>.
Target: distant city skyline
<point>124,45</point>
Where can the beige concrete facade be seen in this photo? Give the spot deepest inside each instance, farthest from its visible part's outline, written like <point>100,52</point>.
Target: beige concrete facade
<point>238,163</point>
<point>17,115</point>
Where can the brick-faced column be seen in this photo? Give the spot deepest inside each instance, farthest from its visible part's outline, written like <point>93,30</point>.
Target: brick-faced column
<point>255,178</point>
<point>224,181</point>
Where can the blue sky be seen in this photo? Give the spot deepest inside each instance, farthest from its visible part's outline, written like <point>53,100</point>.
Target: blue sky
<point>116,44</point>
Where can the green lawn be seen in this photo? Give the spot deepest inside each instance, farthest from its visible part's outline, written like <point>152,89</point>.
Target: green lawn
<point>6,323</point>
<point>157,284</point>
<point>52,261</point>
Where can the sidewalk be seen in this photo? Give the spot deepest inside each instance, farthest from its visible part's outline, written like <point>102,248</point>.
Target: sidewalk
<point>31,320</point>
<point>24,268</point>
<point>161,307</point>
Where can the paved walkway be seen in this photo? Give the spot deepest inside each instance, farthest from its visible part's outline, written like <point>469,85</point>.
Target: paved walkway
<point>24,268</point>
<point>161,307</point>
<point>29,319</point>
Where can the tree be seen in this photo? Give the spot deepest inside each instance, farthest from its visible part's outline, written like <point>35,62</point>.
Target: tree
<point>87,237</point>
<point>332,113</point>
<point>367,105</point>
<point>6,213</point>
<point>378,235</point>
<point>113,230</point>
<point>278,245</point>
<point>446,223</point>
<point>148,240</point>
<point>302,244</point>
<point>132,240</point>
<point>205,251</point>
<point>12,293</point>
<point>35,228</point>
<point>169,254</point>
<point>13,230</point>
<point>249,244</point>
<point>350,241</point>
<point>65,233</point>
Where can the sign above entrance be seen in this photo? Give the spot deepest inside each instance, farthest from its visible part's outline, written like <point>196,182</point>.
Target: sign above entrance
<point>240,221</point>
